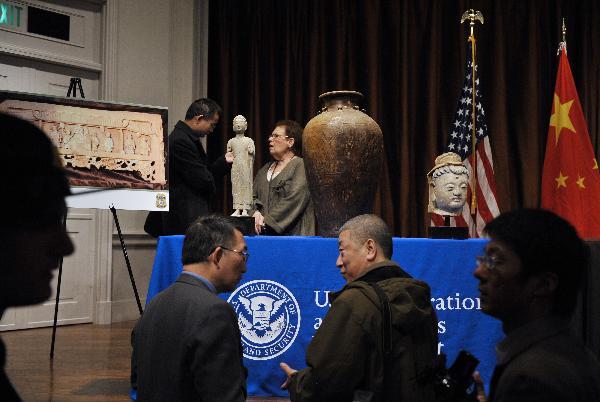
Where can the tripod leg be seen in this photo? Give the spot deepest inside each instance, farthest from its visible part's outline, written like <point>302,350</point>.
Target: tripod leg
<point>60,267</point>
<point>71,88</point>
<point>80,88</point>
<point>135,291</point>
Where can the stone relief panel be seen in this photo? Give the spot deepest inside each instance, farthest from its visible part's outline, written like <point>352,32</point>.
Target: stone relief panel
<point>101,148</point>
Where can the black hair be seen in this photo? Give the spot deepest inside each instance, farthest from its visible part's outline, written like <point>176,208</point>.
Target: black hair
<point>204,235</point>
<point>545,242</point>
<point>203,106</point>
<point>293,130</point>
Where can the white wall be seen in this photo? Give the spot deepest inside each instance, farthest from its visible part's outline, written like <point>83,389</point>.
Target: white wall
<point>157,47</point>
<point>148,52</point>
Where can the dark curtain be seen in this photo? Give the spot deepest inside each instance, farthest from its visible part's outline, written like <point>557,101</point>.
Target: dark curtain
<point>271,59</point>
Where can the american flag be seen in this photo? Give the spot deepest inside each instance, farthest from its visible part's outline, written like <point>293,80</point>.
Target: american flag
<point>460,142</point>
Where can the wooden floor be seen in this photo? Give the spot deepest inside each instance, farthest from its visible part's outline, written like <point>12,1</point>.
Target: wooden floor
<point>91,363</point>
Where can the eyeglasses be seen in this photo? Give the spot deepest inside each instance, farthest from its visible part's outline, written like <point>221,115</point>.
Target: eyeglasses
<point>278,136</point>
<point>245,255</point>
<point>487,261</point>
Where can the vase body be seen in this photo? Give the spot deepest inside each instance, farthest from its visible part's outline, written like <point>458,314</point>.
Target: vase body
<point>343,151</point>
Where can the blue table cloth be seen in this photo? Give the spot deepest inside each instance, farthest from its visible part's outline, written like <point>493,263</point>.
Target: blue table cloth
<point>285,291</point>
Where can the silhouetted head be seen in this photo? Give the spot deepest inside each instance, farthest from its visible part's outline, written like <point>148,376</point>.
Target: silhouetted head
<point>534,265</point>
<point>33,238</point>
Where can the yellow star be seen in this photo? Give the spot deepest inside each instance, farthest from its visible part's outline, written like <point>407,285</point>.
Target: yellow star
<point>561,181</point>
<point>580,182</point>
<point>560,119</point>
<point>595,164</point>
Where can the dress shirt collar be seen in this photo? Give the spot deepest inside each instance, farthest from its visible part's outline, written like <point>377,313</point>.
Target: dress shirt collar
<point>210,286</point>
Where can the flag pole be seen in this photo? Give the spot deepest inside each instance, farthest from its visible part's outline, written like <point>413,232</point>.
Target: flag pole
<point>474,130</point>
<point>563,45</point>
<point>472,16</point>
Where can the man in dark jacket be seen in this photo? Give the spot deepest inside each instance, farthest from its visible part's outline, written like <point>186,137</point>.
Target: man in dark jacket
<point>529,279</point>
<point>191,178</point>
<point>346,357</point>
<point>187,343</point>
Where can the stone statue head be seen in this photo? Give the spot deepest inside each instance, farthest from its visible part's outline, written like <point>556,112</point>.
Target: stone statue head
<point>448,184</point>
<point>239,124</point>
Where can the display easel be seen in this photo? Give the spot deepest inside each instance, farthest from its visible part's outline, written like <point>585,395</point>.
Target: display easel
<point>74,85</point>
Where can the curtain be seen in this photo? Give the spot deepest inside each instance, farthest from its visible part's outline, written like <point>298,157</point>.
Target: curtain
<point>271,59</point>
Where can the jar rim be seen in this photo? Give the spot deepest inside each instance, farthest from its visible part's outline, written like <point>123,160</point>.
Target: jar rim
<point>342,93</point>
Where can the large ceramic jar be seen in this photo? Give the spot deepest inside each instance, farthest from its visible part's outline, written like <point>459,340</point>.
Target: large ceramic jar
<point>343,150</point>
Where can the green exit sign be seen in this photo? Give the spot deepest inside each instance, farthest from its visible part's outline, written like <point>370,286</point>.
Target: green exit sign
<point>10,15</point>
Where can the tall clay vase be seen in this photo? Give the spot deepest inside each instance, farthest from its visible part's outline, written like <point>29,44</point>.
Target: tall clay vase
<point>343,151</point>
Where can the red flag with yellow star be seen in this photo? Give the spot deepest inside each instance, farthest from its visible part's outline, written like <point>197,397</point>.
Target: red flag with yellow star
<point>570,179</point>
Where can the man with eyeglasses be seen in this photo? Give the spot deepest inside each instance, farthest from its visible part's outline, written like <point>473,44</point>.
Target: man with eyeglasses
<point>378,341</point>
<point>187,343</point>
<point>191,176</point>
<point>529,279</point>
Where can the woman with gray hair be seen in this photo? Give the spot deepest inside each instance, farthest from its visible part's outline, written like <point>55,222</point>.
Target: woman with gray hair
<point>282,201</point>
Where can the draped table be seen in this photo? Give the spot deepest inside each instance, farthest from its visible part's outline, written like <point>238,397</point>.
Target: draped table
<point>283,297</point>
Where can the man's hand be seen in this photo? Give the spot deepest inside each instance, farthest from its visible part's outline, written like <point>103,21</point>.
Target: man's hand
<point>480,389</point>
<point>229,157</point>
<point>259,222</point>
<point>290,372</point>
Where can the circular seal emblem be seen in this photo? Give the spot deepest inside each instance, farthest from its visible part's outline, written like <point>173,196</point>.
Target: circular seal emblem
<point>268,317</point>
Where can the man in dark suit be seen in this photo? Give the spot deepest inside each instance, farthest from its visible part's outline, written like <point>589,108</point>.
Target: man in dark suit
<point>187,343</point>
<point>191,177</point>
<point>529,279</point>
<point>33,238</point>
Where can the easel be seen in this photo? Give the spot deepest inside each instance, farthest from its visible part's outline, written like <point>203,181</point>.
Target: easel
<point>73,86</point>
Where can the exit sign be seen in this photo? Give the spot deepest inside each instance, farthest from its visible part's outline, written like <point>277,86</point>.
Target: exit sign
<point>10,15</point>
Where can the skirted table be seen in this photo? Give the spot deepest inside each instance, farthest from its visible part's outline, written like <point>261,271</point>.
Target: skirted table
<point>283,298</point>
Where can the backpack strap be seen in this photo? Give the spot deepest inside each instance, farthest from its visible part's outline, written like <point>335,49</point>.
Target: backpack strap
<point>386,333</point>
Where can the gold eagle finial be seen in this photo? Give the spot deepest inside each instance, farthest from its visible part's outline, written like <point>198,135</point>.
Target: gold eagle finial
<point>472,16</point>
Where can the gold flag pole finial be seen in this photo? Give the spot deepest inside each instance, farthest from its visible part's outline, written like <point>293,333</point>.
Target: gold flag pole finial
<point>564,30</point>
<point>472,16</point>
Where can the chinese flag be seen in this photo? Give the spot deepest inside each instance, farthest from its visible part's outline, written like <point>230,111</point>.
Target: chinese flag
<point>570,179</point>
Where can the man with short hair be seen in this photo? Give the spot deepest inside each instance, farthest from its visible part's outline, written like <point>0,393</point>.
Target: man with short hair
<point>191,178</point>
<point>187,343</point>
<point>33,237</point>
<point>529,279</point>
<point>346,357</point>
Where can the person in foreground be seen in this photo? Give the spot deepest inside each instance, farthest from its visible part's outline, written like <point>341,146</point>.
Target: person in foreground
<point>281,197</point>
<point>191,177</point>
<point>187,343</point>
<point>529,279</point>
<point>33,237</point>
<point>345,358</point>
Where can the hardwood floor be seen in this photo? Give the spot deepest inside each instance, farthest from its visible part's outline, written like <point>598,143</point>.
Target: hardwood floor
<point>91,363</point>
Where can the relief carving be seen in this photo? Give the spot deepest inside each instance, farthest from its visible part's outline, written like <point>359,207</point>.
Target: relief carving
<point>91,140</point>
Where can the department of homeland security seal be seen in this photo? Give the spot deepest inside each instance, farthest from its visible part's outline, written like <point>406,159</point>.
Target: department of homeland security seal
<point>268,317</point>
